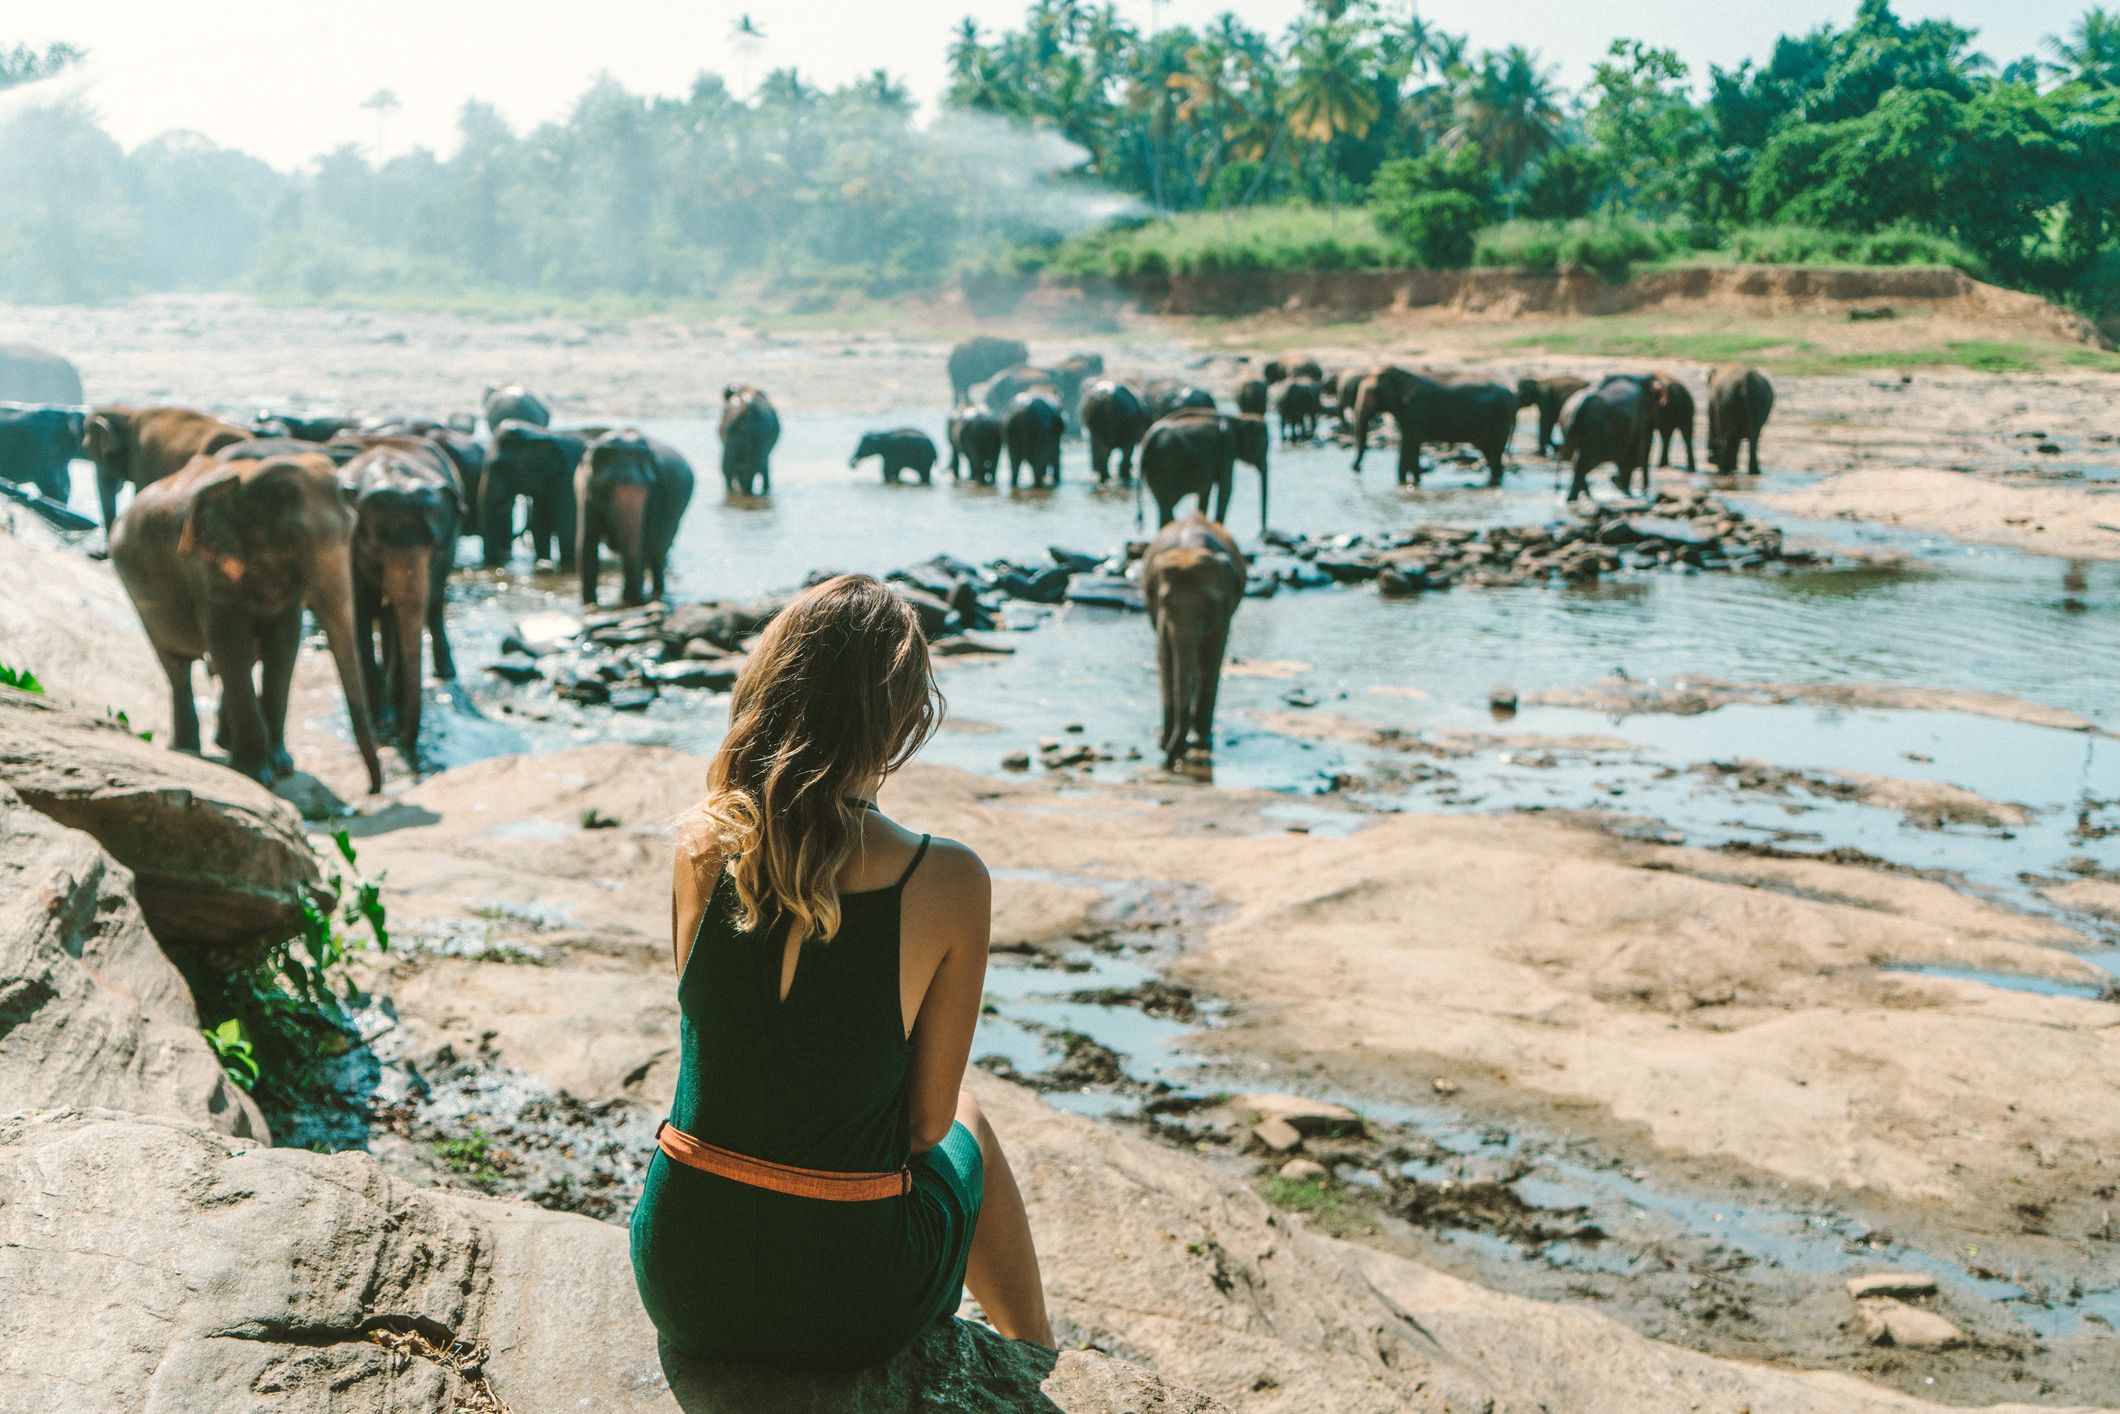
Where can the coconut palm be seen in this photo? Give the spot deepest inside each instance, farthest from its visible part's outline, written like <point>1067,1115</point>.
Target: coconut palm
<point>2089,53</point>
<point>1509,112</point>
<point>1329,90</point>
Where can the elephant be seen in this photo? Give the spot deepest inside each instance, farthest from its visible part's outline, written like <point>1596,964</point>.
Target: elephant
<point>456,437</point>
<point>978,359</point>
<point>630,492</point>
<point>1192,579</point>
<point>219,559</point>
<point>749,430</point>
<point>1164,396</point>
<point>1193,452</point>
<point>1281,369</point>
<point>143,445</point>
<point>901,449</point>
<point>514,403</point>
<point>1031,431</point>
<point>1548,395</point>
<point>1300,406</point>
<point>1251,396</point>
<point>1114,420</point>
<point>1437,410</point>
<point>1346,392</point>
<point>1739,400</point>
<point>32,375</point>
<point>1613,422</point>
<point>254,449</point>
<point>301,427</point>
<point>975,437</point>
<point>538,464</point>
<point>408,508</point>
<point>38,446</point>
<point>1675,419</point>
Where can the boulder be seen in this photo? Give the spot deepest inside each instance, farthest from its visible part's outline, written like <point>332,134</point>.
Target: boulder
<point>545,632</point>
<point>220,865</point>
<point>175,1269</point>
<point>92,1012</point>
<point>1891,1284</point>
<point>65,618</point>
<point>723,625</point>
<point>1308,1117</point>
<point>1889,1322</point>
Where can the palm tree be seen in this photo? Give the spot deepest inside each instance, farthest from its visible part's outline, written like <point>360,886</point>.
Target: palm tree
<point>2090,53</point>
<point>1329,91</point>
<point>1509,113</point>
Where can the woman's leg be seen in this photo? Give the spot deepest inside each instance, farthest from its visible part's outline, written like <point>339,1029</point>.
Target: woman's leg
<point>1003,1271</point>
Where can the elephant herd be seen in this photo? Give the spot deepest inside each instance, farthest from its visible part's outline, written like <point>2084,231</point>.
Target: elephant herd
<point>234,530</point>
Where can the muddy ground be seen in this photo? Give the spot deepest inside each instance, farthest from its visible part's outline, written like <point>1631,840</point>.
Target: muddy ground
<point>1696,1089</point>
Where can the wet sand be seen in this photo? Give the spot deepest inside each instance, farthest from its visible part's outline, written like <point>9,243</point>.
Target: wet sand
<point>1753,1075</point>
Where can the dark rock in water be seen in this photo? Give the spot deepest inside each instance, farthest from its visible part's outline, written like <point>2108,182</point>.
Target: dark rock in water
<point>625,635</point>
<point>934,613</point>
<point>1261,586</point>
<point>588,691</point>
<point>714,674</point>
<point>631,699</point>
<point>515,669</point>
<point>723,625</point>
<point>1346,569</point>
<point>1043,586</point>
<point>1402,581</point>
<point>1073,560</point>
<point>964,603</point>
<point>964,645</point>
<point>1108,590</point>
<point>1501,700</point>
<point>315,800</point>
<point>542,633</point>
<point>927,579</point>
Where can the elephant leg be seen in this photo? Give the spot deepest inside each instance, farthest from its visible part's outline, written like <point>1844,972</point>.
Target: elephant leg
<point>1687,433</point>
<point>1208,684</point>
<point>1494,463</point>
<point>438,622</point>
<point>564,517</point>
<point>1580,486</point>
<point>1755,455</point>
<point>107,484</point>
<point>232,649</point>
<point>588,553</point>
<point>367,613</point>
<point>496,519</point>
<point>280,644</point>
<point>1168,676</point>
<point>183,707</point>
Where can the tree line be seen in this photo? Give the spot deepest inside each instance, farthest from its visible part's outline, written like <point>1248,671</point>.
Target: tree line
<point>1873,138</point>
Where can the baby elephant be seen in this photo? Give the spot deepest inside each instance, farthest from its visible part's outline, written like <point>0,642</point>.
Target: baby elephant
<point>975,437</point>
<point>902,449</point>
<point>1193,580</point>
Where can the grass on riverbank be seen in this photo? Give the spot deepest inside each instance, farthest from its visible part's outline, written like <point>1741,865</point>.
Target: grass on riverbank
<point>1777,352</point>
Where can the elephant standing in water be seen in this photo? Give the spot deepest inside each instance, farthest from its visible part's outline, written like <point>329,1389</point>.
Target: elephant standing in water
<point>1193,580</point>
<point>900,450</point>
<point>1031,430</point>
<point>1114,420</point>
<point>1739,399</point>
<point>1164,396</point>
<point>630,493</point>
<point>515,403</point>
<point>32,375</point>
<point>408,510</point>
<point>38,446</point>
<point>1300,405</point>
<point>1614,422</point>
<point>1251,396</point>
<point>1675,419</point>
<point>1434,410</point>
<point>978,359</point>
<point>1549,396</point>
<point>975,437</point>
<point>749,431</point>
<point>143,445</point>
<point>1194,452</point>
<point>220,559</point>
<point>535,464</point>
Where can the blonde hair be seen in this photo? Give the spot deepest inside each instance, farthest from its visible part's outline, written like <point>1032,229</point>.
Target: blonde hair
<point>838,691</point>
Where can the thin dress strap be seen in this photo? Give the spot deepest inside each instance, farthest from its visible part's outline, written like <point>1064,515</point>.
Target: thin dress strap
<point>918,855</point>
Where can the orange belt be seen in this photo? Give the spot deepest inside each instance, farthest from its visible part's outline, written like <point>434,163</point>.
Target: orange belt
<point>781,1178</point>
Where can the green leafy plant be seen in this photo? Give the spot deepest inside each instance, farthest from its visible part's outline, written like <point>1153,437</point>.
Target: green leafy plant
<point>21,679</point>
<point>293,1006</point>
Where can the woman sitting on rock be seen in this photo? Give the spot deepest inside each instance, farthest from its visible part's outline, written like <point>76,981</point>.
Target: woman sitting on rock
<point>824,1188</point>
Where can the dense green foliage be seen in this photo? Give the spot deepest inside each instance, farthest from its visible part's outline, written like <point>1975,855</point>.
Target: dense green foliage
<point>1877,140</point>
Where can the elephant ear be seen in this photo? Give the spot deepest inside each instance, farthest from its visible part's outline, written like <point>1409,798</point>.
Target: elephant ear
<point>209,521</point>
<point>100,435</point>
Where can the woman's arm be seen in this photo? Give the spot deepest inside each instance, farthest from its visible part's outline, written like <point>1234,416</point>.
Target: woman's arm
<point>948,905</point>
<point>691,889</point>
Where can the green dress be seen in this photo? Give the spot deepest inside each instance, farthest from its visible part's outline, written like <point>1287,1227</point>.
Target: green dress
<point>817,1080</point>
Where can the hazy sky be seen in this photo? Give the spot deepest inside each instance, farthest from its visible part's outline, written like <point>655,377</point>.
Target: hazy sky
<point>286,80</point>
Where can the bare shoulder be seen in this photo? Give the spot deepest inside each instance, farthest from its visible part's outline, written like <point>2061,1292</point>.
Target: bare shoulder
<point>953,871</point>
<point>698,852</point>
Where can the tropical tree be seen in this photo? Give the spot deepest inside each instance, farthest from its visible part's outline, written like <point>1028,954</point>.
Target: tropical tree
<point>1328,93</point>
<point>2088,54</point>
<point>1509,113</point>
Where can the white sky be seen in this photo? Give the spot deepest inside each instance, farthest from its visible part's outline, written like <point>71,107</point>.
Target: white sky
<point>285,78</point>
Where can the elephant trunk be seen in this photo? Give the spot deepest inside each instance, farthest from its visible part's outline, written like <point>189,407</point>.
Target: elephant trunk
<point>1262,492</point>
<point>626,516</point>
<point>407,575</point>
<point>331,599</point>
<point>1181,689</point>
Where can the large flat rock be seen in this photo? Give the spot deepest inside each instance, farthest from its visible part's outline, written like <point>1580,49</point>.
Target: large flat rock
<point>91,1010</point>
<point>219,862</point>
<point>153,1265</point>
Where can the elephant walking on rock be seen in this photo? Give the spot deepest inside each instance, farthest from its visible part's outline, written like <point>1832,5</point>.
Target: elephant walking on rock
<point>1192,579</point>
<point>409,509</point>
<point>220,559</point>
<point>630,493</point>
<point>750,429</point>
<point>1194,452</point>
<point>38,446</point>
<point>1739,400</point>
<point>140,446</point>
<point>1613,422</point>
